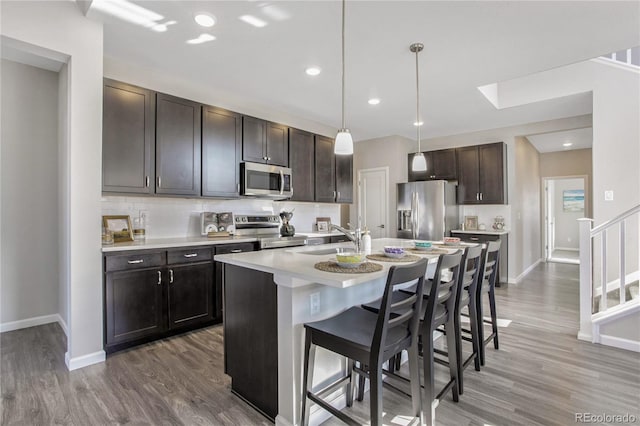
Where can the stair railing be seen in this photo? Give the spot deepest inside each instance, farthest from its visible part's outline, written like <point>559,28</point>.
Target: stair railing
<point>587,290</point>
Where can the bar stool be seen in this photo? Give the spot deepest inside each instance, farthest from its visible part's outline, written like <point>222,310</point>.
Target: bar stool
<point>487,286</point>
<point>370,339</point>
<point>437,311</point>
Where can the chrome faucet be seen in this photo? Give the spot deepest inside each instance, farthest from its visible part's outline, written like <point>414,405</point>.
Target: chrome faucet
<point>356,237</point>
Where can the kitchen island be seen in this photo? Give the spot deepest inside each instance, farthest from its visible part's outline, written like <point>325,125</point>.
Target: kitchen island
<point>268,296</point>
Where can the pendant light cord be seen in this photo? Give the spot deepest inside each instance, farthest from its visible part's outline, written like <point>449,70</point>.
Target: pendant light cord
<point>418,100</point>
<point>343,19</point>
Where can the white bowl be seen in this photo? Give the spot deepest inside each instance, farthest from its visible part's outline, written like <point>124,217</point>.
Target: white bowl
<point>394,252</point>
<point>350,259</point>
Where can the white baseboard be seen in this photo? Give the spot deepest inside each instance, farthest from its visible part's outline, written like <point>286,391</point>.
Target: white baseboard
<point>32,322</point>
<point>84,360</point>
<point>587,337</point>
<point>526,271</point>
<point>618,342</point>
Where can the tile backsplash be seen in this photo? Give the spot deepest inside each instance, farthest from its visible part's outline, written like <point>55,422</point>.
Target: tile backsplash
<point>486,214</point>
<point>180,217</point>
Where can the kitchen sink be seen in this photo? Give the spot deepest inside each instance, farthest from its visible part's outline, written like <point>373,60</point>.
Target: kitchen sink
<point>319,252</point>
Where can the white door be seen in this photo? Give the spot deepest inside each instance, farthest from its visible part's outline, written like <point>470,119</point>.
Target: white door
<point>373,200</point>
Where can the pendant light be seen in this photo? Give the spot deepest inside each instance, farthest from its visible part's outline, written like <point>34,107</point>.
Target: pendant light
<point>419,163</point>
<point>344,142</point>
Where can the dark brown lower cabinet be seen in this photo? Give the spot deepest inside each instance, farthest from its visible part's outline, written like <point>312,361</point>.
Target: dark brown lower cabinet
<point>503,266</point>
<point>251,337</point>
<point>145,299</point>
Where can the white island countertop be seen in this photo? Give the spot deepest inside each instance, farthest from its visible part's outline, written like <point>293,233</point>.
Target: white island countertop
<point>481,232</point>
<point>294,268</point>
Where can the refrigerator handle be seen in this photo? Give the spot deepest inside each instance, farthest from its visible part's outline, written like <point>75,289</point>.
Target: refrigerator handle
<point>417,231</point>
<point>413,214</point>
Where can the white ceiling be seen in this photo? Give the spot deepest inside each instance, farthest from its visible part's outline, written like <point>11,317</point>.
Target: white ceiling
<point>550,142</point>
<point>467,44</point>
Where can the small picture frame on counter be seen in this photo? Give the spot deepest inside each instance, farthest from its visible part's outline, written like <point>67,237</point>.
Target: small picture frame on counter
<point>120,226</point>
<point>471,223</point>
<point>323,226</point>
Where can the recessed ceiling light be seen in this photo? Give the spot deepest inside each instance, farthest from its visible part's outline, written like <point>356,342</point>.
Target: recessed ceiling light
<point>252,20</point>
<point>201,39</point>
<point>374,101</point>
<point>567,144</point>
<point>205,20</point>
<point>418,123</point>
<point>312,71</point>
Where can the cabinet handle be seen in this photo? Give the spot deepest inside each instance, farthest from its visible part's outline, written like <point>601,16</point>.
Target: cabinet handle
<point>236,251</point>
<point>477,196</point>
<point>146,181</point>
<point>334,195</point>
<point>264,158</point>
<point>159,182</point>
<point>159,277</point>
<point>481,196</point>
<point>338,197</point>
<point>238,187</point>
<point>268,158</point>
<point>474,238</point>
<point>135,262</point>
<point>170,276</point>
<point>191,255</point>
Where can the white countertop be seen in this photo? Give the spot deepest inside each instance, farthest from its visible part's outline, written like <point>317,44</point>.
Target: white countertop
<point>298,268</point>
<point>484,232</point>
<point>160,243</point>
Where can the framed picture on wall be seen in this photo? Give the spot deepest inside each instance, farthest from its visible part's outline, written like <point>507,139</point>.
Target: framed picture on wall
<point>573,200</point>
<point>120,226</point>
<point>471,223</point>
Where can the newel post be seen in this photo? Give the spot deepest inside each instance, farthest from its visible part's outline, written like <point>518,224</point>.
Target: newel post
<point>586,279</point>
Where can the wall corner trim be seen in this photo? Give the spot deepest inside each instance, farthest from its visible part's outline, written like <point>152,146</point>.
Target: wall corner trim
<point>84,360</point>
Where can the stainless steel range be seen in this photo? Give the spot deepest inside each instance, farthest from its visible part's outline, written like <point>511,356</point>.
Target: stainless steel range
<point>266,228</point>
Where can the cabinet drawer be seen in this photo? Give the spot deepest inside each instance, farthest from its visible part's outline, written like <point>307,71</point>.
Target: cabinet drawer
<point>235,248</point>
<point>476,238</point>
<point>188,255</point>
<point>122,262</point>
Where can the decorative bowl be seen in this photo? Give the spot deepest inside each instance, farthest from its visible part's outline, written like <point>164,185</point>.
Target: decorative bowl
<point>451,240</point>
<point>350,259</point>
<point>394,252</point>
<point>423,245</point>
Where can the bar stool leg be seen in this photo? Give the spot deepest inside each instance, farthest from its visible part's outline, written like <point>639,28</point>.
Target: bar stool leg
<point>458,343</point>
<point>429,411</point>
<point>307,377</point>
<point>453,358</point>
<point>352,382</point>
<point>475,333</point>
<point>494,317</point>
<point>414,371</point>
<point>375,393</point>
<point>361,382</point>
<point>480,320</point>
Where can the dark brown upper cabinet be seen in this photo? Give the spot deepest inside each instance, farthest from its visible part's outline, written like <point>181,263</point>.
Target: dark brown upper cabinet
<point>221,152</point>
<point>128,133</point>
<point>264,142</point>
<point>302,163</point>
<point>344,179</point>
<point>482,174</point>
<point>178,146</point>
<point>325,181</point>
<point>441,165</point>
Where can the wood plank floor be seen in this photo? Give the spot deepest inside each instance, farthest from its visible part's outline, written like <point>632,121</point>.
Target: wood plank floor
<point>541,375</point>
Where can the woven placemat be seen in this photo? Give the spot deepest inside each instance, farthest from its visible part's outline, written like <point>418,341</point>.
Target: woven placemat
<point>432,251</point>
<point>332,266</point>
<point>383,258</point>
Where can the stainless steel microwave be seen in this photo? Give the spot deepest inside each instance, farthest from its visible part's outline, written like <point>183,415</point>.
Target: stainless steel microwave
<point>265,181</point>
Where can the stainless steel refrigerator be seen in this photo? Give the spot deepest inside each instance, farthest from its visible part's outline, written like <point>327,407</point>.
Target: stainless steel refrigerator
<point>427,210</point>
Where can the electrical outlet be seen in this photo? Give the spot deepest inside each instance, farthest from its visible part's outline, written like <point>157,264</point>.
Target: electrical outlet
<point>608,195</point>
<point>314,303</point>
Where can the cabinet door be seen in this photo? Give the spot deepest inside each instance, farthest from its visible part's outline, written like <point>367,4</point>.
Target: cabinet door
<point>344,178</point>
<point>133,305</point>
<point>221,152</point>
<point>468,175</point>
<point>442,164</point>
<point>128,127</point>
<point>419,176</point>
<point>302,162</point>
<point>325,170</point>
<point>254,140</point>
<point>277,144</point>
<point>178,146</point>
<point>492,173</point>
<point>190,293</point>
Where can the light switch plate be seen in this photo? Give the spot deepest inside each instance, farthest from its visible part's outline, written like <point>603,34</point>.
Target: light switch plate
<point>608,195</point>
<point>314,303</point>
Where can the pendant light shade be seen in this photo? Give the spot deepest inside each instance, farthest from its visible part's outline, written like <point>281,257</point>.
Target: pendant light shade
<point>344,143</point>
<point>419,163</point>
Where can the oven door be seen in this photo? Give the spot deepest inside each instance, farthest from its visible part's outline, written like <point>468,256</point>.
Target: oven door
<point>264,181</point>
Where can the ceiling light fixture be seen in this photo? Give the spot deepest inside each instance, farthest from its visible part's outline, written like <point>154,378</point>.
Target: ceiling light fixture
<point>373,101</point>
<point>312,71</point>
<point>418,123</point>
<point>252,20</point>
<point>419,163</point>
<point>203,38</point>
<point>128,11</point>
<point>344,141</point>
<point>205,19</point>
<point>567,144</point>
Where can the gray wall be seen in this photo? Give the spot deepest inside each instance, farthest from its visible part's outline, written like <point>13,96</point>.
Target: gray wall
<point>566,222</point>
<point>29,181</point>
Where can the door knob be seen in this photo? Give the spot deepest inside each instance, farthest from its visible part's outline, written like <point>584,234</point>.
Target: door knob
<point>381,226</point>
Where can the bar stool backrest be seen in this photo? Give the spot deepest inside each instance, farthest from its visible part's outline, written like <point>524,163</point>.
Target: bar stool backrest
<point>489,266</point>
<point>443,292</point>
<point>472,260</point>
<point>395,332</point>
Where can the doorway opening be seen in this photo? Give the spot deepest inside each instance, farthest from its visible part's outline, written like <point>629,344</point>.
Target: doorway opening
<point>564,203</point>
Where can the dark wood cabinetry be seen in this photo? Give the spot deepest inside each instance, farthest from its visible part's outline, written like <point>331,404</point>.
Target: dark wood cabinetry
<point>178,150</point>
<point>128,137</point>
<point>264,142</point>
<point>251,336</point>
<point>226,249</point>
<point>302,162</point>
<point>484,238</point>
<point>344,178</point>
<point>221,152</point>
<point>150,294</point>
<point>482,174</point>
<point>441,165</point>
<point>325,170</point>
